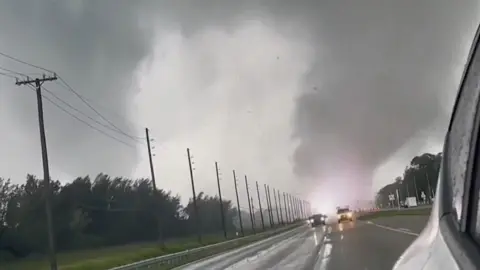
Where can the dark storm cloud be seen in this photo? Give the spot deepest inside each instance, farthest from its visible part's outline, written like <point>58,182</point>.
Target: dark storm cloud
<point>382,69</point>
<point>95,50</point>
<point>95,46</point>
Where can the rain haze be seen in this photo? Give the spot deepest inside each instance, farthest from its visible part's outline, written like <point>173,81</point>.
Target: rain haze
<point>309,97</point>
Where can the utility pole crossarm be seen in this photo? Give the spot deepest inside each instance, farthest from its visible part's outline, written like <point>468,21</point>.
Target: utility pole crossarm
<point>39,80</point>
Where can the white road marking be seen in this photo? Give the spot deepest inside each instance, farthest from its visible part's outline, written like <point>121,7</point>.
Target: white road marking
<point>404,229</point>
<point>324,255</point>
<point>401,230</point>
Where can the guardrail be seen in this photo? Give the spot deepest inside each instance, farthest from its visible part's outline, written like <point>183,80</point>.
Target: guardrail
<point>176,259</point>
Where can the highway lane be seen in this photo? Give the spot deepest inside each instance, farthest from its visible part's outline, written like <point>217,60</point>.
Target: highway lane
<point>350,245</point>
<point>258,253</point>
<point>369,245</point>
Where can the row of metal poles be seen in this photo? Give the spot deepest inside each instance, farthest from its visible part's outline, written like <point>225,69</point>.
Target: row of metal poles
<point>294,209</point>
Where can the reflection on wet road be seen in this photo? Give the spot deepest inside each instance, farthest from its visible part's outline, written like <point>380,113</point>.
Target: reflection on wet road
<point>348,245</point>
<point>363,245</point>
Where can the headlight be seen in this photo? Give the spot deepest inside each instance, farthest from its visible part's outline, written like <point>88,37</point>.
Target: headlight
<point>322,218</point>
<point>349,214</point>
<point>311,220</point>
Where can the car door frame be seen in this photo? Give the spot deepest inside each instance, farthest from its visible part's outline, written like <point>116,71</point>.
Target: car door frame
<point>455,233</point>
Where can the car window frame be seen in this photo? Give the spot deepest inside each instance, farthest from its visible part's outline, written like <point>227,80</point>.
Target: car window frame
<point>446,206</point>
<point>456,233</point>
<point>473,196</point>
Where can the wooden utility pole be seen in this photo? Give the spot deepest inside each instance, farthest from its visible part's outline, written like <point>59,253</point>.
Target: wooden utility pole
<point>303,209</point>
<point>268,207</point>
<point>156,196</point>
<point>300,202</point>
<point>253,213</point>
<point>416,190</point>
<point>238,203</point>
<point>195,208</point>
<point>46,172</point>
<point>249,204</point>
<point>271,205</point>
<point>260,206</point>
<point>280,210</point>
<point>221,202</point>
<point>297,208</point>
<point>286,209</point>
<point>152,171</point>
<point>276,206</point>
<point>290,212</point>
<point>293,207</point>
<point>429,187</point>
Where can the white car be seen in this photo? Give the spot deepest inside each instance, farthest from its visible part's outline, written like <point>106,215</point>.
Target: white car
<point>451,239</point>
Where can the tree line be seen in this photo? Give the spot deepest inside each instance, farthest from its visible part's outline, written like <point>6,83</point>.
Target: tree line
<point>420,176</point>
<point>104,211</point>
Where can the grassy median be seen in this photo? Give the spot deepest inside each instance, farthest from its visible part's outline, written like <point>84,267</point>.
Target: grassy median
<point>105,258</point>
<point>405,212</point>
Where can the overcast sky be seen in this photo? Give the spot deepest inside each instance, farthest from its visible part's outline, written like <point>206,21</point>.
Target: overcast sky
<point>310,97</point>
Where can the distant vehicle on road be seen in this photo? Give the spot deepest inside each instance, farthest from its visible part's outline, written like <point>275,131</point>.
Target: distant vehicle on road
<point>451,239</point>
<point>410,202</point>
<point>344,214</point>
<point>318,219</point>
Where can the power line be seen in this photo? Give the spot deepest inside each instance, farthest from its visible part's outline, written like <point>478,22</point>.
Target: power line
<point>18,73</point>
<point>113,112</point>
<point>23,62</point>
<point>11,71</point>
<point>73,108</point>
<point>84,114</point>
<point>8,75</point>
<point>73,91</point>
<point>84,122</point>
<point>95,110</point>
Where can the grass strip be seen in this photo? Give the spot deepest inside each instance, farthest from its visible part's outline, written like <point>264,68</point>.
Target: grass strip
<point>407,212</point>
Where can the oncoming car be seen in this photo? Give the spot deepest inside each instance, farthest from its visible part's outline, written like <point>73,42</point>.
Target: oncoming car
<point>318,219</point>
<point>344,214</point>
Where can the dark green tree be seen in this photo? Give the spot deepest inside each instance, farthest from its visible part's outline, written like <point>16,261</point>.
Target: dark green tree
<point>419,176</point>
<point>100,212</point>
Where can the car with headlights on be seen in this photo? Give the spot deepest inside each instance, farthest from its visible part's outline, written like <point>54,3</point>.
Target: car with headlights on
<point>344,214</point>
<point>318,219</point>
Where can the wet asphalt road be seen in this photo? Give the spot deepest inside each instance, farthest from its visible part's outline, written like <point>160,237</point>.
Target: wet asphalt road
<point>363,245</point>
<point>349,245</point>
